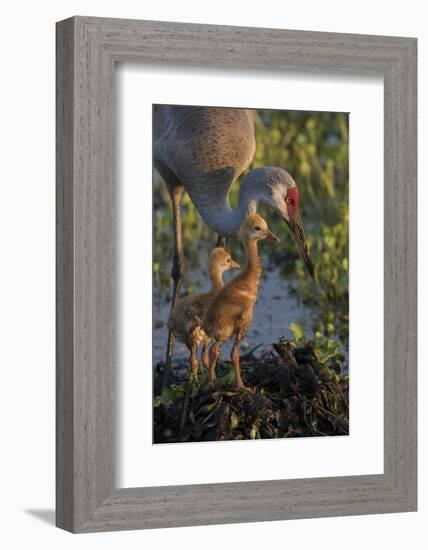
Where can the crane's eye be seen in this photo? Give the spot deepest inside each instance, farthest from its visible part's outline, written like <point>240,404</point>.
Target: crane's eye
<point>292,198</point>
<point>257,228</point>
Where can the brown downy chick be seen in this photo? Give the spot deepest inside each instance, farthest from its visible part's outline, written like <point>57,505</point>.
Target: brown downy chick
<point>231,311</point>
<point>184,318</point>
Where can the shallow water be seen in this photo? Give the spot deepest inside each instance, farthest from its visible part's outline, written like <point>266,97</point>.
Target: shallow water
<point>276,308</point>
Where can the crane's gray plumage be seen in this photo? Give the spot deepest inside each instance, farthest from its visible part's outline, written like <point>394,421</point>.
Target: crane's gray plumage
<point>192,140</point>
<point>204,150</point>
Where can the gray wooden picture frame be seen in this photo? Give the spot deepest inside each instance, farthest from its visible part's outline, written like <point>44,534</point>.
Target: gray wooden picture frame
<point>87,50</point>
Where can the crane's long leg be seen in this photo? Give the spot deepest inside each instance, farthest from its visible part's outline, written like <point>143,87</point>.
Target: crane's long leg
<point>221,242</point>
<point>177,270</point>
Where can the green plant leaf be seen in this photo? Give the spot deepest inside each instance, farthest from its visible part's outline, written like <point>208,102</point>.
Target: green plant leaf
<point>297,330</point>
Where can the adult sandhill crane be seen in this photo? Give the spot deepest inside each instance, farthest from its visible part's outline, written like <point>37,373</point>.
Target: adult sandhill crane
<point>203,150</point>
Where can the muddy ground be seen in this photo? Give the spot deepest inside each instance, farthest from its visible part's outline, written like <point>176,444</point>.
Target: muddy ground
<point>294,393</point>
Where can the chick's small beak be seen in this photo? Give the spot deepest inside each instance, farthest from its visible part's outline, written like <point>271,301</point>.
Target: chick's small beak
<point>271,236</point>
<point>234,265</point>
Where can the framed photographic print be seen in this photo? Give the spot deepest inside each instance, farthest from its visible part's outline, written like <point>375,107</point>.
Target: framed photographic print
<point>236,274</point>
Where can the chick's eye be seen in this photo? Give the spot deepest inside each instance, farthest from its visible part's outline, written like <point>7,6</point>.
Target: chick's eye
<point>257,228</point>
<point>228,260</point>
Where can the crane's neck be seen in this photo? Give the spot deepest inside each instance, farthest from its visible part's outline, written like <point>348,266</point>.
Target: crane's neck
<point>217,212</point>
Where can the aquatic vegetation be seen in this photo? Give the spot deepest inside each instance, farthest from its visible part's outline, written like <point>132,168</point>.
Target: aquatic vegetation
<point>313,146</point>
<point>329,249</point>
<point>300,390</point>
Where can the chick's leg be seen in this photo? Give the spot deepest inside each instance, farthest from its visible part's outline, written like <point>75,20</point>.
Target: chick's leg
<point>205,355</point>
<point>213,358</point>
<point>193,373</point>
<point>236,363</point>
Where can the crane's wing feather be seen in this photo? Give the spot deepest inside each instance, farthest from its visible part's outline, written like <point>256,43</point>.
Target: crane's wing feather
<point>203,148</point>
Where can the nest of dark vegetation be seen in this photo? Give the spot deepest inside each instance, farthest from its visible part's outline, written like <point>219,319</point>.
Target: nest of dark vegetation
<point>294,395</point>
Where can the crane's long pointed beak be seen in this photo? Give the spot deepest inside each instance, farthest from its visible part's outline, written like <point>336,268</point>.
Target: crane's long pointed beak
<point>296,228</point>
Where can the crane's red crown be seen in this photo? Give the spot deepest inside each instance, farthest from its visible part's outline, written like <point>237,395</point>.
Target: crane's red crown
<point>292,200</point>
